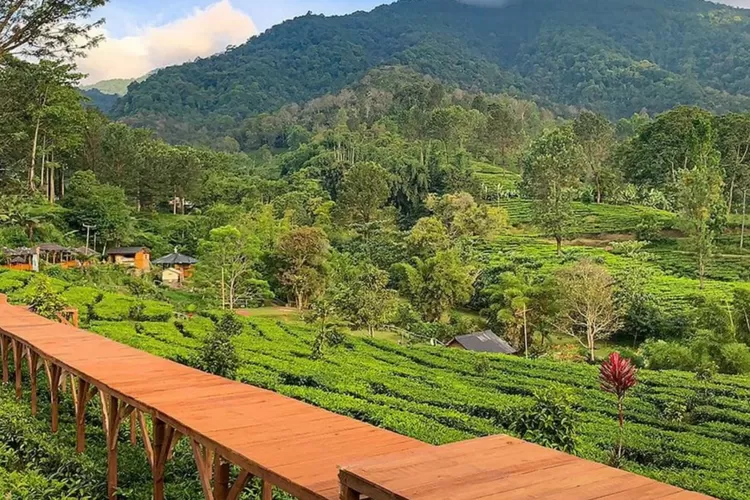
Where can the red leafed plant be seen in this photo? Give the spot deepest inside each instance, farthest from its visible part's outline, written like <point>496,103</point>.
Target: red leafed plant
<point>617,375</point>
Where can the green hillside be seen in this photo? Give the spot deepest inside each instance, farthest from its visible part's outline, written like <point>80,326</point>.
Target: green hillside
<point>613,56</point>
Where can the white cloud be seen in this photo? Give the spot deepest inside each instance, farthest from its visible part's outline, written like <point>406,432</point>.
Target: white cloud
<point>200,34</point>
<point>745,4</point>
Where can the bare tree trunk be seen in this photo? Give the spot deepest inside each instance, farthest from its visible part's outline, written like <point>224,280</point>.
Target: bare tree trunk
<point>525,333</point>
<point>558,239</point>
<point>62,182</point>
<point>52,183</point>
<point>42,172</point>
<point>35,143</point>
<point>231,293</point>
<point>223,293</point>
<point>744,205</point>
<point>731,196</point>
<point>32,167</point>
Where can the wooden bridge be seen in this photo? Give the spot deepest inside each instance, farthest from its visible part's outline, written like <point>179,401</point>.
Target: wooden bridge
<point>306,451</point>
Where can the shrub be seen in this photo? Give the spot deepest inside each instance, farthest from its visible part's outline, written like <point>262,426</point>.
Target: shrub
<point>44,300</point>
<point>152,310</point>
<point>735,358</point>
<point>113,307</point>
<point>649,228</point>
<point>661,355</point>
<point>550,421</point>
<point>217,353</point>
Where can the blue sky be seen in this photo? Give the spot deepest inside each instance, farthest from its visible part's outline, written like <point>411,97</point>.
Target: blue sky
<point>123,15</point>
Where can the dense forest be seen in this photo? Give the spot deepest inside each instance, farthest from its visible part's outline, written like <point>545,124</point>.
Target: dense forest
<point>616,57</point>
<point>364,208</point>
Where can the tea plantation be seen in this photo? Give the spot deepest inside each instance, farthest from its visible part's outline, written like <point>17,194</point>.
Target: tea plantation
<point>689,433</point>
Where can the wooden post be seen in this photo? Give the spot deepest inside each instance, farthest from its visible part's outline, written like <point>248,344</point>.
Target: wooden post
<point>203,461</point>
<point>133,432</point>
<point>4,346</point>
<point>54,393</point>
<point>33,359</point>
<point>17,353</point>
<point>111,411</point>
<point>348,494</point>
<point>266,491</point>
<point>221,478</point>
<point>81,395</point>
<point>157,467</point>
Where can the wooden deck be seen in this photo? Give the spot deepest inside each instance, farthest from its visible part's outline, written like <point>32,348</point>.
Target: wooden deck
<point>288,444</point>
<point>497,467</point>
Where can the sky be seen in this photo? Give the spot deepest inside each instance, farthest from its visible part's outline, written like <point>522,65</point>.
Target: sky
<point>142,35</point>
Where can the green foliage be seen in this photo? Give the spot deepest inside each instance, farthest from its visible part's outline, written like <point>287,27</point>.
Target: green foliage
<point>437,284</point>
<point>551,172</point>
<point>91,203</point>
<point>44,300</point>
<point>218,354</point>
<point>551,421</point>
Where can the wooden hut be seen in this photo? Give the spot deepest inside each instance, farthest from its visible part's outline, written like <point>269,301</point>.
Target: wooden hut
<point>135,257</point>
<point>19,259</point>
<point>176,267</point>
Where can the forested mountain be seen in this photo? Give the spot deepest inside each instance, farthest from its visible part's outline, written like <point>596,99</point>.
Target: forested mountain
<point>116,86</point>
<point>613,56</point>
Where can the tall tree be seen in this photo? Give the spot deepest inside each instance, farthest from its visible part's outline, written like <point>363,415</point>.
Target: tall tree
<point>733,142</point>
<point>702,207</point>
<point>364,191</point>
<point>665,146</point>
<point>437,284</point>
<point>91,203</point>
<point>227,260</point>
<point>597,139</point>
<point>303,252</point>
<point>364,298</point>
<point>587,309</point>
<point>551,174</point>
<point>44,29</point>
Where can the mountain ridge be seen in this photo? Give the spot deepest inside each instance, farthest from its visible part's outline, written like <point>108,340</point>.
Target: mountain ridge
<point>613,56</point>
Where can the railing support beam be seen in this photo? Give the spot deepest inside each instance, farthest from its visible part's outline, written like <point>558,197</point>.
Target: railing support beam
<point>4,351</point>
<point>32,357</point>
<point>17,355</point>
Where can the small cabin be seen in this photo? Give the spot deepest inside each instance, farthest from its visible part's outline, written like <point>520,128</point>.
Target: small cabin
<point>485,341</point>
<point>20,259</point>
<point>176,267</point>
<point>52,253</point>
<point>135,257</point>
